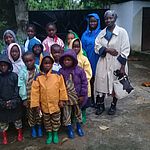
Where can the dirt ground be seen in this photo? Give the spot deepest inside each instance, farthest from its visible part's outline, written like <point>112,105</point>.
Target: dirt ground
<point>129,129</point>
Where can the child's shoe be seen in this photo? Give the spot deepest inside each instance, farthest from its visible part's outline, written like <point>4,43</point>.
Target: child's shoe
<point>55,137</point>
<point>5,141</point>
<point>40,133</point>
<point>79,130</point>
<point>83,116</point>
<point>33,132</point>
<point>20,135</point>
<point>70,132</point>
<point>49,138</point>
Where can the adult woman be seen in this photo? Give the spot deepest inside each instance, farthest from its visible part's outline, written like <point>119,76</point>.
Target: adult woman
<point>112,44</point>
<point>88,42</point>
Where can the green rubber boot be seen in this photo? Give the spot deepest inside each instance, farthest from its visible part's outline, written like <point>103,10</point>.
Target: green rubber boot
<point>55,137</point>
<point>49,138</point>
<point>83,116</point>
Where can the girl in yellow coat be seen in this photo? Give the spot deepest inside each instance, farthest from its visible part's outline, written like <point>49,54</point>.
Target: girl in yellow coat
<point>48,94</point>
<point>84,63</point>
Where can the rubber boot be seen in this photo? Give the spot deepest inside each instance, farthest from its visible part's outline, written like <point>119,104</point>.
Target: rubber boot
<point>55,137</point>
<point>70,132</point>
<point>84,116</point>
<point>40,133</point>
<point>79,129</point>
<point>49,138</point>
<point>100,105</point>
<point>20,135</point>
<point>112,109</point>
<point>33,132</point>
<point>4,134</point>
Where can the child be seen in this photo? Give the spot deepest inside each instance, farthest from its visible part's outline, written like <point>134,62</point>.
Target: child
<point>76,83</point>
<point>26,76</point>
<point>52,38</point>
<point>9,37</point>
<point>84,63</point>
<point>56,53</point>
<point>31,39</point>
<point>48,93</point>
<point>10,102</point>
<point>38,53</point>
<point>15,56</point>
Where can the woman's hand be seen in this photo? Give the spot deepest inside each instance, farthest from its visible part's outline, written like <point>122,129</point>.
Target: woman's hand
<point>61,104</point>
<point>111,51</point>
<point>122,70</point>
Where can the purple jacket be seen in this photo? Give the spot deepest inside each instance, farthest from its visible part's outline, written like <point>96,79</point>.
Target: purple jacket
<point>79,76</point>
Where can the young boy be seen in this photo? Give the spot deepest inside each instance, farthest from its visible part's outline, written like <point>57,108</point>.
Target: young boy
<point>10,102</point>
<point>48,93</point>
<point>31,39</point>
<point>76,83</point>
<point>15,56</point>
<point>52,38</point>
<point>56,53</point>
<point>26,76</point>
<point>84,63</point>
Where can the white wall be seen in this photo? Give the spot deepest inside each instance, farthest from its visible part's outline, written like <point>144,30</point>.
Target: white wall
<point>130,18</point>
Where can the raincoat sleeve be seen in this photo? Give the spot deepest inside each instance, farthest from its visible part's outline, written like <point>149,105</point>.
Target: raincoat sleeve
<point>35,93</point>
<point>83,42</point>
<point>22,85</point>
<point>63,92</point>
<point>125,48</point>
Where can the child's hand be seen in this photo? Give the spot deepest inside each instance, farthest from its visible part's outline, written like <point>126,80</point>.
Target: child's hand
<point>25,103</point>
<point>61,104</point>
<point>81,99</point>
<point>39,111</point>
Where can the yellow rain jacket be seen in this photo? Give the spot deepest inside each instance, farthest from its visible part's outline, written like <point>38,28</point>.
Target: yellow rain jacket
<point>84,63</point>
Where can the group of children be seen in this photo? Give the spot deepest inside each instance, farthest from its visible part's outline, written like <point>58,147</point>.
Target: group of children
<point>49,79</point>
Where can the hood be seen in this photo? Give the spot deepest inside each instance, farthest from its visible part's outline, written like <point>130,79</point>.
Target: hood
<point>9,49</point>
<point>71,54</point>
<point>45,54</point>
<point>71,45</point>
<point>10,32</point>
<point>4,58</point>
<point>98,20</point>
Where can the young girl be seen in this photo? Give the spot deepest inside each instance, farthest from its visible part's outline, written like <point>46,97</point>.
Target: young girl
<point>76,83</point>
<point>84,63</point>
<point>10,102</point>
<point>48,93</point>
<point>15,56</point>
<point>31,39</point>
<point>9,37</point>
<point>26,76</point>
<point>52,38</point>
<point>56,53</point>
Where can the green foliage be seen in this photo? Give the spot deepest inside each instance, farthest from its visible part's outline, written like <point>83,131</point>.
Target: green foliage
<point>1,45</point>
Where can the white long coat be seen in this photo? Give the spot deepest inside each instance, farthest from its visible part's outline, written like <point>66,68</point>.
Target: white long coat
<point>107,65</point>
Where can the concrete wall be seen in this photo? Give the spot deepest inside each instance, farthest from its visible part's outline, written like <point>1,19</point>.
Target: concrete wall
<point>130,18</point>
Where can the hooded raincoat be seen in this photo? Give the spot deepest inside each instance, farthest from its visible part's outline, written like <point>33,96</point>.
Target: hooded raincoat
<point>88,42</point>
<point>84,63</point>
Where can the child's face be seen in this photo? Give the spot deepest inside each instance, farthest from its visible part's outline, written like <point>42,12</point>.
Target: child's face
<point>76,46</point>
<point>4,67</point>
<point>93,23</point>
<point>8,38</point>
<point>37,50</point>
<point>56,53</point>
<point>15,53</point>
<point>47,64</point>
<point>70,37</point>
<point>51,31</point>
<point>29,61</point>
<point>68,62</point>
<point>30,32</point>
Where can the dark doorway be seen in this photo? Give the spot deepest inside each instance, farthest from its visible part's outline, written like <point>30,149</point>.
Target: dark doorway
<point>64,19</point>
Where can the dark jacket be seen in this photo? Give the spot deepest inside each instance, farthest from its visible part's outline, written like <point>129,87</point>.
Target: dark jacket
<point>9,91</point>
<point>79,76</point>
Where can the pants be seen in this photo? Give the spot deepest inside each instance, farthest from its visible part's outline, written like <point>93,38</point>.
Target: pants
<point>4,126</point>
<point>52,121</point>
<point>33,117</point>
<point>67,113</point>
